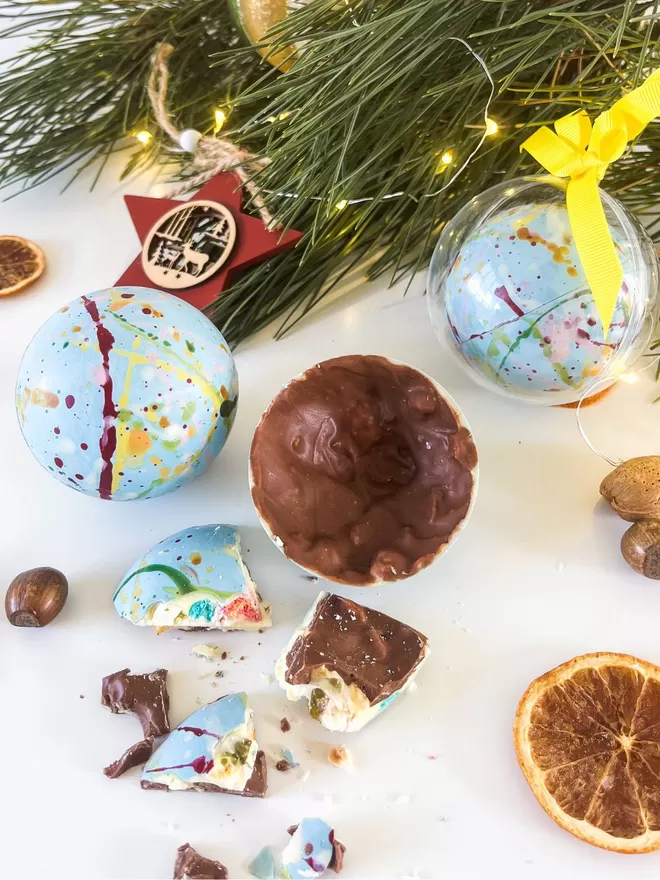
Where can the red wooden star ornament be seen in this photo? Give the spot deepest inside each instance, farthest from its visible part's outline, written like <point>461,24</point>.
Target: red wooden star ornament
<point>191,249</point>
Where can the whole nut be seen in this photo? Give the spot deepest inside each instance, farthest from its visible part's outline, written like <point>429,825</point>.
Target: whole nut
<point>35,597</point>
<point>633,488</point>
<point>640,547</point>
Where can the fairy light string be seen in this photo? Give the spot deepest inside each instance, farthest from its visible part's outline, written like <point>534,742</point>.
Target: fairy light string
<point>213,155</point>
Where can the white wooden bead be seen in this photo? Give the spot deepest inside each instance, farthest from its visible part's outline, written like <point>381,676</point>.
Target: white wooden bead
<point>189,139</point>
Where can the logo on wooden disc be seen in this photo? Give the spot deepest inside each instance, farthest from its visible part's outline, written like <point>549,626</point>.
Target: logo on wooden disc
<point>188,245</point>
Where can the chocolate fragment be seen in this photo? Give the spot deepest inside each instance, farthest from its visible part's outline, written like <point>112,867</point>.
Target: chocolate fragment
<point>283,765</point>
<point>132,757</point>
<point>371,650</point>
<point>256,784</point>
<point>361,469</point>
<point>190,865</point>
<point>142,695</point>
<point>285,725</point>
<point>337,860</point>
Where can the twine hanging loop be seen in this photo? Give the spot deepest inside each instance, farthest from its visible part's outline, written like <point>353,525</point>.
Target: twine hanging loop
<point>211,155</point>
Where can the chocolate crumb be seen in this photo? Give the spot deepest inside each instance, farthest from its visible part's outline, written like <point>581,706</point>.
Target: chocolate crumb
<point>224,655</point>
<point>312,578</point>
<point>241,657</point>
<point>309,849</point>
<point>285,725</point>
<point>292,830</point>
<point>219,673</point>
<point>283,765</point>
<point>340,757</point>
<point>82,696</point>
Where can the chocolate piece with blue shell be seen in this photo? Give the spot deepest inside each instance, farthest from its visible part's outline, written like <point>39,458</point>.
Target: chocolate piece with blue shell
<point>312,849</point>
<point>214,749</point>
<point>195,579</point>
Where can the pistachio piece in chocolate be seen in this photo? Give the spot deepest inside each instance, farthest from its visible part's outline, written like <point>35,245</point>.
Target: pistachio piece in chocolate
<point>142,695</point>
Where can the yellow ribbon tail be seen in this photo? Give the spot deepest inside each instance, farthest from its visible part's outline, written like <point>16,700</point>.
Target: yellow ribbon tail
<point>594,244</point>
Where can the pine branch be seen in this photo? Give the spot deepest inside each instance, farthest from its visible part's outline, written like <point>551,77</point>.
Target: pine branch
<point>378,93</point>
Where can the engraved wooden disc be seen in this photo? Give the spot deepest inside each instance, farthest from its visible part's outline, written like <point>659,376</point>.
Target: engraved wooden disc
<point>188,245</point>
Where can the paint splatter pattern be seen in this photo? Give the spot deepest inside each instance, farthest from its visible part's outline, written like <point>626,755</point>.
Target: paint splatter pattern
<point>126,393</point>
<point>519,306</point>
<point>215,745</point>
<point>195,578</point>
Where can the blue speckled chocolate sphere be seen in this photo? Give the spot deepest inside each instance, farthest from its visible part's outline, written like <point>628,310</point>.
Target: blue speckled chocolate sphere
<point>507,289</point>
<point>126,393</point>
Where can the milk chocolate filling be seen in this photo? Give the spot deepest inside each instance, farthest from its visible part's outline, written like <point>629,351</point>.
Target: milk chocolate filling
<point>361,469</point>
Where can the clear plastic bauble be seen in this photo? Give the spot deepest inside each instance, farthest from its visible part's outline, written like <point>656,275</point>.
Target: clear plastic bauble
<point>507,293</point>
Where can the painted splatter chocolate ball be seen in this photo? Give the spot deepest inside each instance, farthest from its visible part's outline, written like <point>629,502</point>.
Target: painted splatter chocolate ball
<point>508,291</point>
<point>126,393</point>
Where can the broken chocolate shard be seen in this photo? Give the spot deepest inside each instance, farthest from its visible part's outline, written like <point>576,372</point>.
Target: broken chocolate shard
<point>142,695</point>
<point>283,765</point>
<point>362,471</point>
<point>337,860</point>
<point>134,756</point>
<point>349,661</point>
<point>285,725</point>
<point>190,865</point>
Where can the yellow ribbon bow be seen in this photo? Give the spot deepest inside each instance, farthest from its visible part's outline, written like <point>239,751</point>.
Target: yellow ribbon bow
<point>582,154</point>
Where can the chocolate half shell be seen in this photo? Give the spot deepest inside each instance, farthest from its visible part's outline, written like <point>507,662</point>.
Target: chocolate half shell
<point>363,470</point>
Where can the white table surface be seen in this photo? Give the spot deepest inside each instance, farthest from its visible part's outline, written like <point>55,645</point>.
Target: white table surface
<point>535,579</point>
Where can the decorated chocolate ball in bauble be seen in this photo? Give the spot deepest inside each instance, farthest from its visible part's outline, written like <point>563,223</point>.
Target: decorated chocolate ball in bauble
<point>508,293</point>
<point>126,393</point>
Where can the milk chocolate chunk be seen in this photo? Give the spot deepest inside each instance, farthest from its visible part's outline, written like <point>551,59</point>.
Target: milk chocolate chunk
<point>362,470</point>
<point>190,865</point>
<point>349,661</point>
<point>132,757</point>
<point>142,695</point>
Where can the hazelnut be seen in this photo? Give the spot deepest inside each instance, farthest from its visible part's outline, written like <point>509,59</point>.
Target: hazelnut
<point>35,597</point>
<point>640,547</point>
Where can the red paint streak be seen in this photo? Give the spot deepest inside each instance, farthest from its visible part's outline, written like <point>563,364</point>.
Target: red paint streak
<point>199,731</point>
<point>317,867</point>
<point>108,441</point>
<point>70,400</point>
<point>582,334</point>
<point>199,765</point>
<point>59,462</point>
<point>503,294</point>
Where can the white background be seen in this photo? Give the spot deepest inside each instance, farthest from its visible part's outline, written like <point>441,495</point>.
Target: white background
<point>535,579</point>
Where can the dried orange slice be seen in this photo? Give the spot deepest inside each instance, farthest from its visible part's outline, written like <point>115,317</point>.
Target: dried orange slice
<point>21,263</point>
<point>587,736</point>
